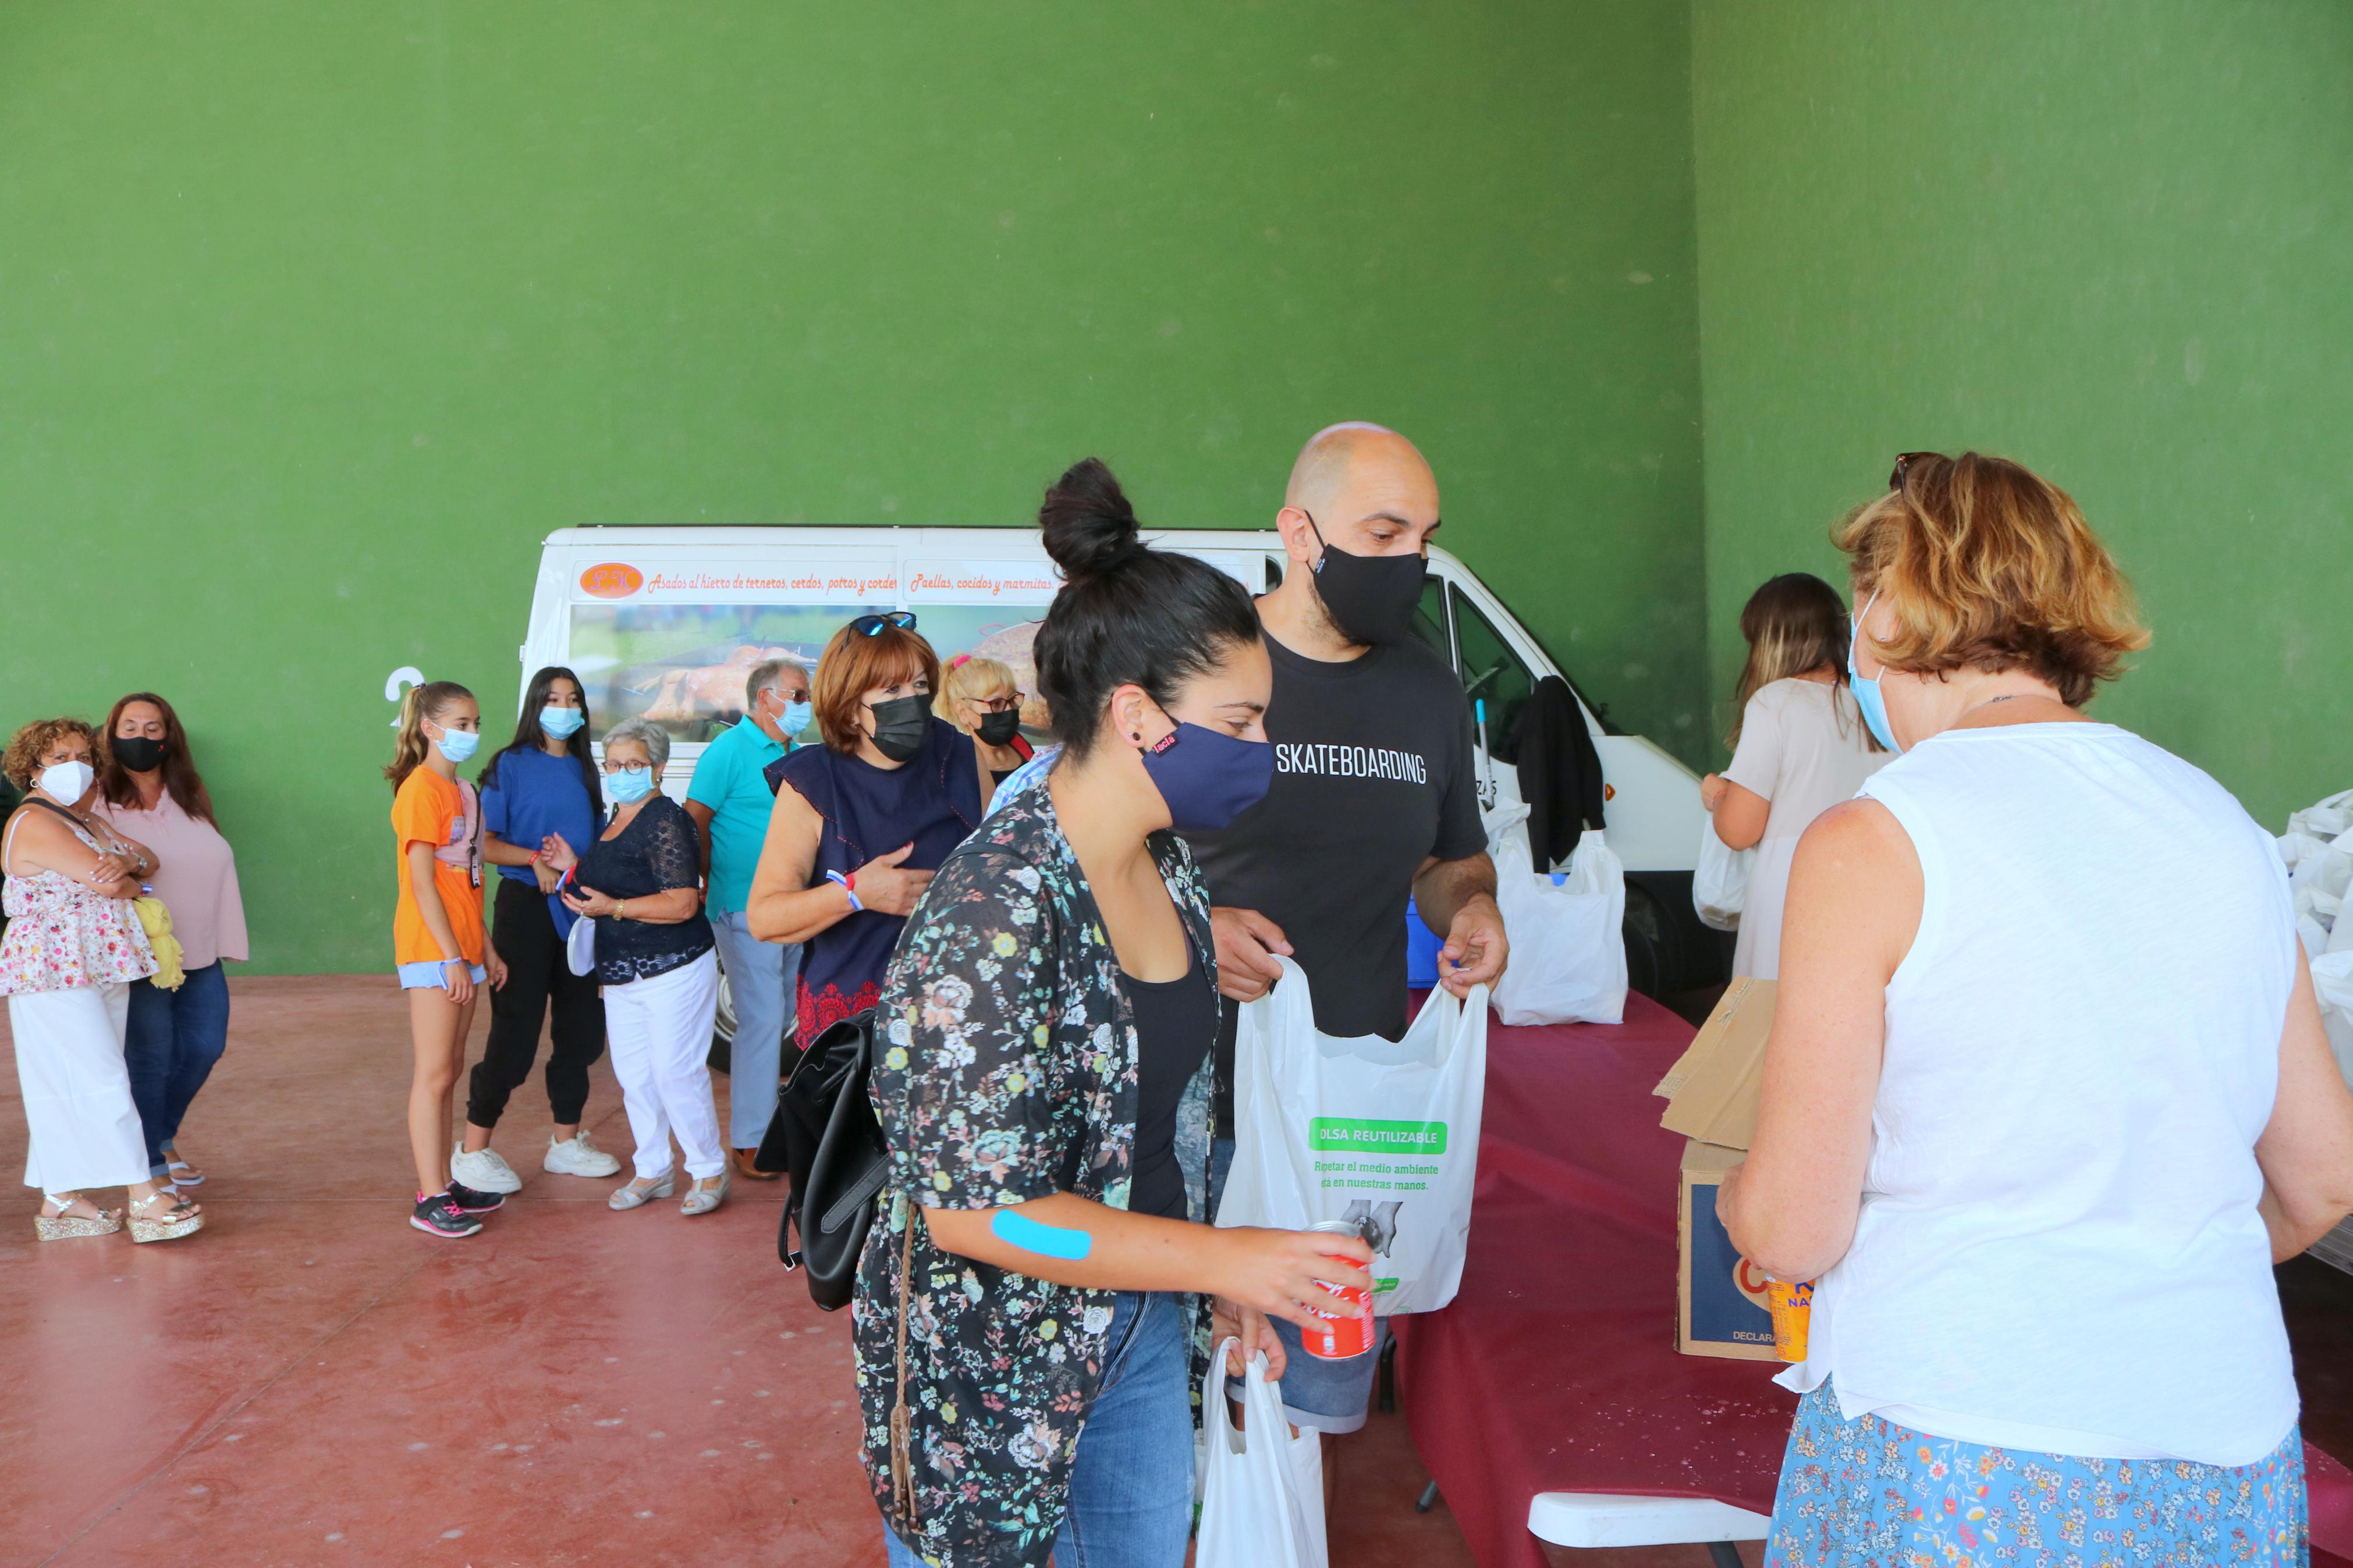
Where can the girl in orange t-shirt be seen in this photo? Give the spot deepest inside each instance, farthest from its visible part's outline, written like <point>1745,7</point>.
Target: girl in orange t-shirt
<point>437,933</point>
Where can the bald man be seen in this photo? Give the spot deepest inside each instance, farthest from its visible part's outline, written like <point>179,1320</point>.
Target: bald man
<point>1375,797</point>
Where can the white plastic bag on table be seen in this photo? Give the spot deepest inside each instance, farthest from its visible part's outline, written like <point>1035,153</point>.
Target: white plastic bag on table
<point>1720,885</point>
<point>1263,1503</point>
<point>1568,940</point>
<point>1385,1132</point>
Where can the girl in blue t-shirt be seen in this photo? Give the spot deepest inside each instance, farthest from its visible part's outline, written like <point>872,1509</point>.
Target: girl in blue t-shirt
<point>543,785</point>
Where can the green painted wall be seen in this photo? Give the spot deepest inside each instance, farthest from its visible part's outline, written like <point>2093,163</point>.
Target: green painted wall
<point>2112,241</point>
<point>315,319</point>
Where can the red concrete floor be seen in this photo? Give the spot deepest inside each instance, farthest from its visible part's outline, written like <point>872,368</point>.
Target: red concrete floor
<point>312,1382</point>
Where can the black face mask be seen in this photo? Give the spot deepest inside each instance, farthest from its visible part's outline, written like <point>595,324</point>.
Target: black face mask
<point>997,729</point>
<point>1370,598</point>
<point>140,754</point>
<point>899,726</point>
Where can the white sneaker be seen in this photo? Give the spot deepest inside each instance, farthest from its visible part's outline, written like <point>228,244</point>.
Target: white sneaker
<point>483,1171</point>
<point>575,1156</point>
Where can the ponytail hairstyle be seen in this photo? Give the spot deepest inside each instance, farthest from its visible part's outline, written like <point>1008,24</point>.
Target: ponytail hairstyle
<point>430,701</point>
<point>1794,623</point>
<point>1128,615</point>
<point>530,737</point>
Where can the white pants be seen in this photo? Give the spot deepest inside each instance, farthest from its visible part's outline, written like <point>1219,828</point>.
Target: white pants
<point>78,1108</point>
<point>659,1034</point>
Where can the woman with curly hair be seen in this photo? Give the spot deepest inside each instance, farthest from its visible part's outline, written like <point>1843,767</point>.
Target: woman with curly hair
<point>72,948</point>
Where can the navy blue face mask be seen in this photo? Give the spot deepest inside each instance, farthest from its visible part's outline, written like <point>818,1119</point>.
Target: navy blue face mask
<point>1209,777</point>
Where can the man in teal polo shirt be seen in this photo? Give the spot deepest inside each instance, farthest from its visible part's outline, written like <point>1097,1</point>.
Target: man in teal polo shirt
<point>730,803</point>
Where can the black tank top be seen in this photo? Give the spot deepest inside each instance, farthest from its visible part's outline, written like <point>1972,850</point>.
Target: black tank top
<point>1175,1024</point>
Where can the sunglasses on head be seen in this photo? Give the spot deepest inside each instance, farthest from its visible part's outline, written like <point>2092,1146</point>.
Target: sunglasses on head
<point>867,626</point>
<point>1903,461</point>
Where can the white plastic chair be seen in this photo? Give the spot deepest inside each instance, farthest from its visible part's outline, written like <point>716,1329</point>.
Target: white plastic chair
<point>1614,1519</point>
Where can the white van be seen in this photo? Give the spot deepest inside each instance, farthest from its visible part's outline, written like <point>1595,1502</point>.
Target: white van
<point>663,623</point>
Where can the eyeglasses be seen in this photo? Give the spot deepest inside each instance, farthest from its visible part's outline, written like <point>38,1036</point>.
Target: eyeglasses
<point>867,626</point>
<point>1903,460</point>
<point>998,704</point>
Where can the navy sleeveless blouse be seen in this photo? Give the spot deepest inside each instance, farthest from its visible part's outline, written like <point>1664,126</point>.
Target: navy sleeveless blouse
<point>932,799</point>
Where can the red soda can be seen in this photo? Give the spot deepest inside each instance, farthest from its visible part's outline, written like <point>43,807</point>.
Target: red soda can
<point>1347,1330</point>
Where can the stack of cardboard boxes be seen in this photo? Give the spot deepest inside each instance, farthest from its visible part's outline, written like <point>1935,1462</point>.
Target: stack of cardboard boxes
<point>1711,1095</point>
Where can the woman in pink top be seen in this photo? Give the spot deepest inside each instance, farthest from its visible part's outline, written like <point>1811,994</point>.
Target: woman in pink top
<point>150,790</point>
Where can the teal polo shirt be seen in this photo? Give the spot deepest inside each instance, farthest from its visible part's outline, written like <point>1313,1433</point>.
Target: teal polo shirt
<point>727,780</point>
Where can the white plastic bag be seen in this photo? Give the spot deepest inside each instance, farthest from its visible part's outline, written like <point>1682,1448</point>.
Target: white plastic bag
<point>580,947</point>
<point>1720,885</point>
<point>1383,1132</point>
<point>1568,940</point>
<point>1263,1505</point>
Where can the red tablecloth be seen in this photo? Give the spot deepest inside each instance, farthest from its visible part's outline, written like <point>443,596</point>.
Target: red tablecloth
<point>1554,1369</point>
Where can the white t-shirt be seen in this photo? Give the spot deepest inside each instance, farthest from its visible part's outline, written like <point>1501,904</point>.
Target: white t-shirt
<point>2059,1241</point>
<point>1803,749</point>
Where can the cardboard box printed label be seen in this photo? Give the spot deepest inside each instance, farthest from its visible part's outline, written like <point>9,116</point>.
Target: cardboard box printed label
<point>1722,1303</point>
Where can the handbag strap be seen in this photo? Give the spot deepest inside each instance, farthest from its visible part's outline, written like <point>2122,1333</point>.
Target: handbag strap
<point>903,1475</point>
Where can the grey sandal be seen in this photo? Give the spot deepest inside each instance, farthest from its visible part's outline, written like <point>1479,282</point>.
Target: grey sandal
<point>630,1196</point>
<point>700,1199</point>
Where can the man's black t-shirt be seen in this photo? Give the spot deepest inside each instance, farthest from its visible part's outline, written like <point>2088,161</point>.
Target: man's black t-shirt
<point>1373,773</point>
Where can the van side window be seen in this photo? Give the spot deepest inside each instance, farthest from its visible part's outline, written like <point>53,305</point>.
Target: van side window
<point>1494,674</point>
<point>1429,618</point>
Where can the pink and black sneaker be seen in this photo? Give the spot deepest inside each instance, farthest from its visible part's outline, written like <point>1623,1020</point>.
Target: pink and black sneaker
<point>439,1215</point>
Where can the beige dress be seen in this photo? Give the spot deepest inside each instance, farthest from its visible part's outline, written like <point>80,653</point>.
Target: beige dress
<point>1803,749</point>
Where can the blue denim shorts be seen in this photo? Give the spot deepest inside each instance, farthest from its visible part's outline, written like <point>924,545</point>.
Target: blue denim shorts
<point>418,976</point>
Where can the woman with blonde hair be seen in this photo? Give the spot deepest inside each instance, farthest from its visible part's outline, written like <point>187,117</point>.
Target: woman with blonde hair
<point>1800,747</point>
<point>978,696</point>
<point>2047,1093</point>
<point>72,948</point>
<point>438,949</point>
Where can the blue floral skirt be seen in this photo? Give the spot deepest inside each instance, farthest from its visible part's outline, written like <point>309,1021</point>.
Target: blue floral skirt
<point>1867,1493</point>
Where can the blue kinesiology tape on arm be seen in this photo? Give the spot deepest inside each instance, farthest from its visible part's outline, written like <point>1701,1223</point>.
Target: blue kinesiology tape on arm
<point>1018,1229</point>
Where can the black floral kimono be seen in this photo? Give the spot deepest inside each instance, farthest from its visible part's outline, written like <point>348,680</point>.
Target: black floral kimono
<point>1009,1072</point>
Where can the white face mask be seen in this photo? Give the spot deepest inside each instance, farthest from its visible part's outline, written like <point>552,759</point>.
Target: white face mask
<point>67,783</point>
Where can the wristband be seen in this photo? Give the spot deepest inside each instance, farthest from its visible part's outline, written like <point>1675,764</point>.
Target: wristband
<point>844,884</point>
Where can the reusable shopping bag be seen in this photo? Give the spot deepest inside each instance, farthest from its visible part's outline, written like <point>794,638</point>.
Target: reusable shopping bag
<point>1720,885</point>
<point>1263,1500</point>
<point>1568,940</point>
<point>1383,1134</point>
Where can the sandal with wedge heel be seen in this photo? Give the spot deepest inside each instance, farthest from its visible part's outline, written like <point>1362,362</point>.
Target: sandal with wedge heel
<point>181,1218</point>
<point>64,1226</point>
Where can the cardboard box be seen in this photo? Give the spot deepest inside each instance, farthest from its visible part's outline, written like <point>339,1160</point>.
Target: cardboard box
<point>1711,1092</point>
<point>1720,1306</point>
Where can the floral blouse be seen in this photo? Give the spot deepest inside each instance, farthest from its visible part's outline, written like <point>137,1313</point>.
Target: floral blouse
<point>62,935</point>
<point>1009,1072</point>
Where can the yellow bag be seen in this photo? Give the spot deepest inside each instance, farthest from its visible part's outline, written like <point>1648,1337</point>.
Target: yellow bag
<point>157,920</point>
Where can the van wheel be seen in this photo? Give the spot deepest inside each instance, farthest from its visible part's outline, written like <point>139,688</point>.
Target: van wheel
<point>723,1027</point>
<point>1669,950</point>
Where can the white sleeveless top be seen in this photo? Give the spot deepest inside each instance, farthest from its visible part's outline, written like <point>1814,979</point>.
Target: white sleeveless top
<point>2059,1247</point>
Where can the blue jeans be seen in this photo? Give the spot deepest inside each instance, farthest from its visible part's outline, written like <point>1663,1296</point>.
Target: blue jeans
<point>1131,1503</point>
<point>169,1043</point>
<point>760,982</point>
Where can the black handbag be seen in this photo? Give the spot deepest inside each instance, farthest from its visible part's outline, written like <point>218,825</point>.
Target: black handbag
<point>835,1159</point>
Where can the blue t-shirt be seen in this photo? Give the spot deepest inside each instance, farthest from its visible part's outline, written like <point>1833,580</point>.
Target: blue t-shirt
<point>532,795</point>
<point>728,780</point>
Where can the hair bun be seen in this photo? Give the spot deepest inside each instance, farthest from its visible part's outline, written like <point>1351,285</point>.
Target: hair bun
<point>1090,528</point>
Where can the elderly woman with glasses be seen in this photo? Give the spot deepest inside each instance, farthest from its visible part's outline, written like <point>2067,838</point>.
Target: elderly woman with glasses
<point>860,821</point>
<point>978,696</point>
<point>640,882</point>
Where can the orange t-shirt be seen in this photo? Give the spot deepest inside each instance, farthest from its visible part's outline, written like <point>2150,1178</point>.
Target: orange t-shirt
<point>430,808</point>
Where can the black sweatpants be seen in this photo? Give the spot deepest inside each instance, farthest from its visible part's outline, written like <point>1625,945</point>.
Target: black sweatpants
<point>523,931</point>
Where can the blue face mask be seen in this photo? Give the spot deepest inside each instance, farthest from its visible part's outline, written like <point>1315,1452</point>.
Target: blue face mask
<point>630,784</point>
<point>796,718</point>
<point>458,745</point>
<point>562,722</point>
<point>1209,777</point>
<point>1866,693</point>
